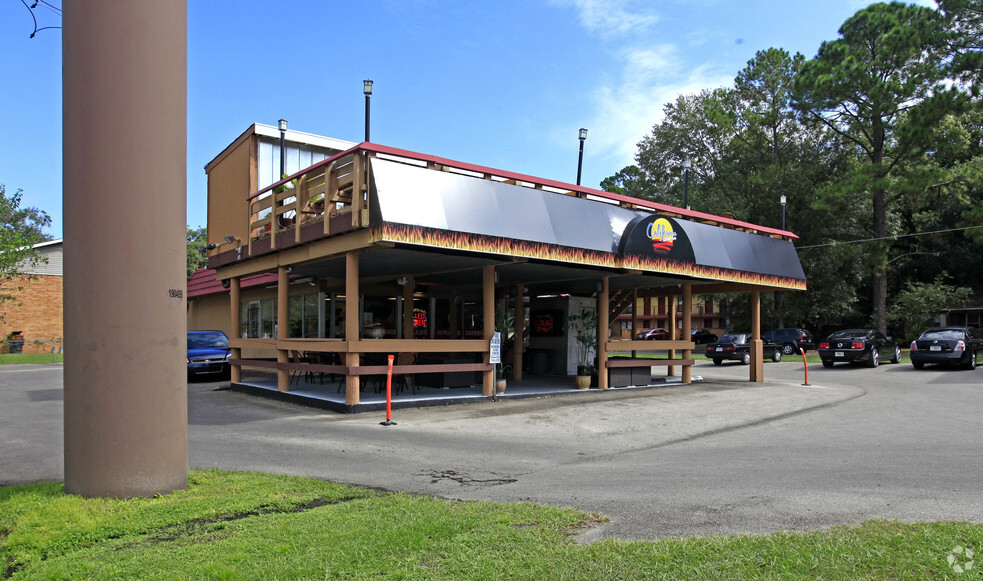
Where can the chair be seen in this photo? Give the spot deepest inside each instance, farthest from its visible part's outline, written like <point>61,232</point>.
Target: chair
<point>296,357</point>
<point>404,380</point>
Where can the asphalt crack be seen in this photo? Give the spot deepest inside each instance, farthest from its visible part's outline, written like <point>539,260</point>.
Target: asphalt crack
<point>468,478</point>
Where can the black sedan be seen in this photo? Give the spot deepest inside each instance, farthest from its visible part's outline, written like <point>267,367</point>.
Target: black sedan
<point>858,346</point>
<point>208,354</point>
<point>702,336</point>
<point>950,345</point>
<point>737,347</point>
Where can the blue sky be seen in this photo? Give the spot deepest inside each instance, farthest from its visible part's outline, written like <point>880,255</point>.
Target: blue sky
<point>505,84</point>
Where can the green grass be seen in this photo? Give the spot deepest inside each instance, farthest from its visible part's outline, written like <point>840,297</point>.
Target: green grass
<point>232,525</point>
<point>18,358</point>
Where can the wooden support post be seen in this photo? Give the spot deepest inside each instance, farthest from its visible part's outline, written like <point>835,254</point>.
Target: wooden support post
<point>520,332</point>
<point>634,319</point>
<point>671,307</point>
<point>757,372</point>
<point>358,175</point>
<point>488,304</point>
<point>330,192</point>
<point>352,325</point>
<point>283,310</point>
<point>603,333</point>
<point>408,330</point>
<point>235,327</point>
<point>687,326</point>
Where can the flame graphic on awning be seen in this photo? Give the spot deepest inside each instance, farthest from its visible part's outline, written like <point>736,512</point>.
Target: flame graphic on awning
<point>480,243</point>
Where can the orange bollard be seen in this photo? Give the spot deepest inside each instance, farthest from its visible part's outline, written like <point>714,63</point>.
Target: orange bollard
<point>389,395</point>
<point>806,366</point>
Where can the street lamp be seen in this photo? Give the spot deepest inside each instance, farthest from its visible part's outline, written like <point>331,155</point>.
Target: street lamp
<point>282,124</point>
<point>686,165</point>
<point>580,159</point>
<point>367,89</point>
<point>782,200</point>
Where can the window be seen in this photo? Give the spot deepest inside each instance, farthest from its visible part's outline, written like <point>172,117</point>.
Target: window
<point>257,319</point>
<point>303,317</point>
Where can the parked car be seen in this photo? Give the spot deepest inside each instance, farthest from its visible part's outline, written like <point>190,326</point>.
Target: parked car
<point>653,334</point>
<point>948,345</point>
<point>701,336</point>
<point>208,354</point>
<point>737,347</point>
<point>793,341</point>
<point>858,346</point>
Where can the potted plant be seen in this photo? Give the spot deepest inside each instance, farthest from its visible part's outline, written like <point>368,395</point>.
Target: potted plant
<point>584,326</point>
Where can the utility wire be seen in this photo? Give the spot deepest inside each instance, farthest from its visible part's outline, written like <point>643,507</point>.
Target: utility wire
<point>835,243</point>
<point>31,7</point>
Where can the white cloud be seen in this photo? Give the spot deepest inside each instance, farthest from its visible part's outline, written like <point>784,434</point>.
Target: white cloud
<point>609,18</point>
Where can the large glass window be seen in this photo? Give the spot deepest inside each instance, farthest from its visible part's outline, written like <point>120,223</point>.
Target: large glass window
<point>303,317</point>
<point>257,319</point>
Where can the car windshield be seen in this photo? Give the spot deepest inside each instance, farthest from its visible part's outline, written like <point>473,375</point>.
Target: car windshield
<point>732,338</point>
<point>207,341</point>
<point>849,333</point>
<point>944,334</point>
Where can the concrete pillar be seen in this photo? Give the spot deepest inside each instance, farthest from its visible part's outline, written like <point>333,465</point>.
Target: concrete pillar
<point>687,327</point>
<point>235,328</point>
<point>125,148</point>
<point>282,325</point>
<point>757,371</point>
<point>352,325</point>
<point>603,331</point>
<point>488,314</point>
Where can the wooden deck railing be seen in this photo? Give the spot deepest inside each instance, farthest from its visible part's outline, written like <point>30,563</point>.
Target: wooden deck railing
<point>338,185</point>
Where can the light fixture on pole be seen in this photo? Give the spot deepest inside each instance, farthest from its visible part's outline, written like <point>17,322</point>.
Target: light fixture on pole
<point>367,89</point>
<point>782,200</point>
<point>282,124</point>
<point>580,159</point>
<point>686,165</point>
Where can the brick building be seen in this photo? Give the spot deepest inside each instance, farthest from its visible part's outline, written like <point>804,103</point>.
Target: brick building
<point>33,321</point>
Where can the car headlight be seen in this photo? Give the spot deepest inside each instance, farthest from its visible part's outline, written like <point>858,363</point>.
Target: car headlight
<point>228,355</point>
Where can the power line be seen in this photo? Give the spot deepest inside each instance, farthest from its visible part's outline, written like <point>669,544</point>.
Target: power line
<point>835,243</point>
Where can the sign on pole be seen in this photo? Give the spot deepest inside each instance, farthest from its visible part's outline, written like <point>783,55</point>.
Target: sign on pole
<point>496,348</point>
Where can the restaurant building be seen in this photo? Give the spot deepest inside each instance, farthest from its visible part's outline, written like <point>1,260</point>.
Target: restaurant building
<point>437,251</point>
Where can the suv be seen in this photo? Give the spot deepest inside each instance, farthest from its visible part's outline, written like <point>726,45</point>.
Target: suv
<point>737,346</point>
<point>792,340</point>
<point>952,345</point>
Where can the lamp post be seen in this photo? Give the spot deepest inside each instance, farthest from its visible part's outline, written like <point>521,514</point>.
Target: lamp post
<point>686,165</point>
<point>282,124</point>
<point>367,89</point>
<point>580,158</point>
<point>779,295</point>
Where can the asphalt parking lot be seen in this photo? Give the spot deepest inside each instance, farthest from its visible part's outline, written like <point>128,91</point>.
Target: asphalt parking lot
<point>720,456</point>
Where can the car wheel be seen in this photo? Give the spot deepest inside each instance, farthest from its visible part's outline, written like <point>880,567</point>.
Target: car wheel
<point>897,355</point>
<point>746,359</point>
<point>776,356</point>
<point>874,360</point>
<point>827,364</point>
<point>717,361</point>
<point>788,349</point>
<point>917,365</point>
<point>971,364</point>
